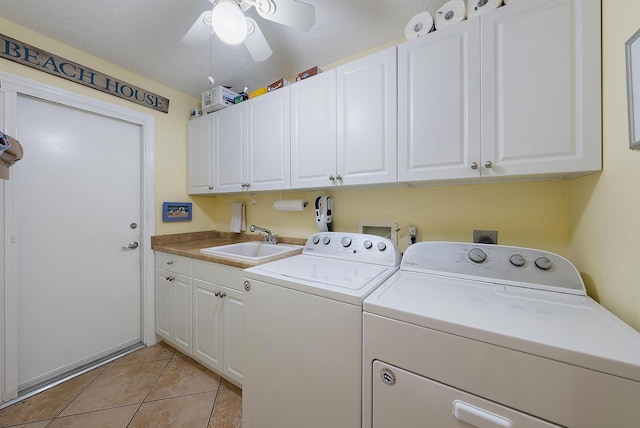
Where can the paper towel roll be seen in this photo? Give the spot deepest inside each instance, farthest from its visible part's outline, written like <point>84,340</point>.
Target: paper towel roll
<point>420,25</point>
<point>290,205</point>
<point>478,7</point>
<point>450,13</point>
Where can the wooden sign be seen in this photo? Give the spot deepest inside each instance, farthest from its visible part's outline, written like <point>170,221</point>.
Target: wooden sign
<point>33,57</point>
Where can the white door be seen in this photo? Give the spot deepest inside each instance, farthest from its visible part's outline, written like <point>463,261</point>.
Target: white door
<point>367,120</point>
<point>77,203</point>
<point>540,111</point>
<point>439,105</point>
<point>313,131</point>
<point>269,141</point>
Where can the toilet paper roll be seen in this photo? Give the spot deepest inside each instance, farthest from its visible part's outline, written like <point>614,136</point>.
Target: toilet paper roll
<point>450,13</point>
<point>420,25</point>
<point>290,205</point>
<point>478,7</point>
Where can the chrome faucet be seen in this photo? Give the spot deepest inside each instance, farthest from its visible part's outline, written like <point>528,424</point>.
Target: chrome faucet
<point>269,237</point>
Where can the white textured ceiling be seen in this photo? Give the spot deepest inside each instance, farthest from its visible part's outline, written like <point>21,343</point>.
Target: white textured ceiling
<point>144,36</point>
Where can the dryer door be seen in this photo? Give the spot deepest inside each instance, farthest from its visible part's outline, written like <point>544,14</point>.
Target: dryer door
<point>404,399</point>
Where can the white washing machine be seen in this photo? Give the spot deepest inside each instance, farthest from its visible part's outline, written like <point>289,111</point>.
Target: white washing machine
<point>303,332</point>
<point>494,336</point>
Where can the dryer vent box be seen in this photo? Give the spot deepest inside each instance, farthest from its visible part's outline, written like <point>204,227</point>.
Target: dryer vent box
<point>387,229</point>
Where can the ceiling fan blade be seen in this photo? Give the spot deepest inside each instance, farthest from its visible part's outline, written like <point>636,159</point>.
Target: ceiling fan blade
<point>292,13</point>
<point>200,31</point>
<point>256,43</point>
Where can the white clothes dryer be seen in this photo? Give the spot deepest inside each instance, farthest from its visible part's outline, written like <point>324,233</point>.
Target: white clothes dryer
<point>303,332</point>
<point>494,336</point>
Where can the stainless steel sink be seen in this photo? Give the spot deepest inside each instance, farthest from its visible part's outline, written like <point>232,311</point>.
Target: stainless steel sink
<point>252,251</point>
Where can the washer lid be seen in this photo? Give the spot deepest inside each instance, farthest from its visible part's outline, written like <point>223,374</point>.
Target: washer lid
<point>337,279</point>
<point>564,327</point>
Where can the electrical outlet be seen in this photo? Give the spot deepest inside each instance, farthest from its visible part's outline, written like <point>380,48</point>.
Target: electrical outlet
<point>485,236</point>
<point>413,231</point>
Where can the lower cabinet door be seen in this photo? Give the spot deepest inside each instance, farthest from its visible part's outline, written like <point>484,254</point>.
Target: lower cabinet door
<point>233,313</point>
<point>207,324</point>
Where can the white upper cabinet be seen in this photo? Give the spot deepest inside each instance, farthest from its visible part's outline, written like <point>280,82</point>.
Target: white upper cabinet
<point>344,125</point>
<point>367,120</point>
<point>252,144</point>
<point>269,141</point>
<point>512,93</point>
<point>230,148</point>
<point>313,131</point>
<point>541,105</point>
<point>201,163</point>
<point>439,104</point>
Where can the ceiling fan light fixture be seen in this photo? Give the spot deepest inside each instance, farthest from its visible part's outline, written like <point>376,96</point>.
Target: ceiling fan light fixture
<point>228,22</point>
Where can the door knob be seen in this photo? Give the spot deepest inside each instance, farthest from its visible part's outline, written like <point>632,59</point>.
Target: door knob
<point>131,246</point>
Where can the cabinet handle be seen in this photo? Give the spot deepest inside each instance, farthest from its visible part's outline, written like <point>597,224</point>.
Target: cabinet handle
<point>217,294</point>
<point>339,177</point>
<point>247,286</point>
<point>332,178</point>
<point>170,278</point>
<point>488,164</point>
<point>474,165</point>
<point>210,187</point>
<point>223,295</point>
<point>170,262</point>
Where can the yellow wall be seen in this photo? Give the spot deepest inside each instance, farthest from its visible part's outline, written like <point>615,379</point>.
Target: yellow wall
<point>605,208</point>
<point>592,220</point>
<point>170,129</point>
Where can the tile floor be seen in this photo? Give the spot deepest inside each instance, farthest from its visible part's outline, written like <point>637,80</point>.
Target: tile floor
<point>152,387</point>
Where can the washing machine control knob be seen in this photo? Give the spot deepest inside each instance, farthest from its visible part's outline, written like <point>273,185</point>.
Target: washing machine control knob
<point>316,239</point>
<point>381,246</point>
<point>476,255</point>
<point>326,240</point>
<point>368,244</point>
<point>346,241</point>
<point>517,260</point>
<point>544,263</point>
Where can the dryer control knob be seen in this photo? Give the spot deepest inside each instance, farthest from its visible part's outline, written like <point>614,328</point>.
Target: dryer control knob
<point>346,241</point>
<point>476,255</point>
<point>381,246</point>
<point>368,244</point>
<point>517,260</point>
<point>544,263</point>
<point>315,239</point>
<point>326,240</point>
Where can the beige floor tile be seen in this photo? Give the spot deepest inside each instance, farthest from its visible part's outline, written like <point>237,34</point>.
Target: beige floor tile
<point>117,386</point>
<point>184,376</point>
<point>225,384</point>
<point>159,351</point>
<point>47,404</point>
<point>191,411</point>
<point>118,417</point>
<point>41,424</point>
<point>227,412</point>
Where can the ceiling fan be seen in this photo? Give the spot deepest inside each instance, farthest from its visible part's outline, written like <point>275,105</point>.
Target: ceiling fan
<point>228,21</point>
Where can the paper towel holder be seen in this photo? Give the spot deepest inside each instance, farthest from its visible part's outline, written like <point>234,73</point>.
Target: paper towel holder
<point>290,205</point>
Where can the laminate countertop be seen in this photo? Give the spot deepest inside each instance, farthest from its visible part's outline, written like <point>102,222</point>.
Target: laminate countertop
<point>190,244</point>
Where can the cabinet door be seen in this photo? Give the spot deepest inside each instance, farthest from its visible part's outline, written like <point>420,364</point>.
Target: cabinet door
<point>541,94</point>
<point>230,146</point>
<point>313,131</point>
<point>233,350</point>
<point>367,120</point>
<point>269,141</point>
<point>439,104</point>
<point>164,305</point>
<point>207,324</point>
<point>200,156</point>
<point>182,306</point>
<point>173,308</point>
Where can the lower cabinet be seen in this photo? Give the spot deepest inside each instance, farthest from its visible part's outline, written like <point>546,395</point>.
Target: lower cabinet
<point>211,312</point>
